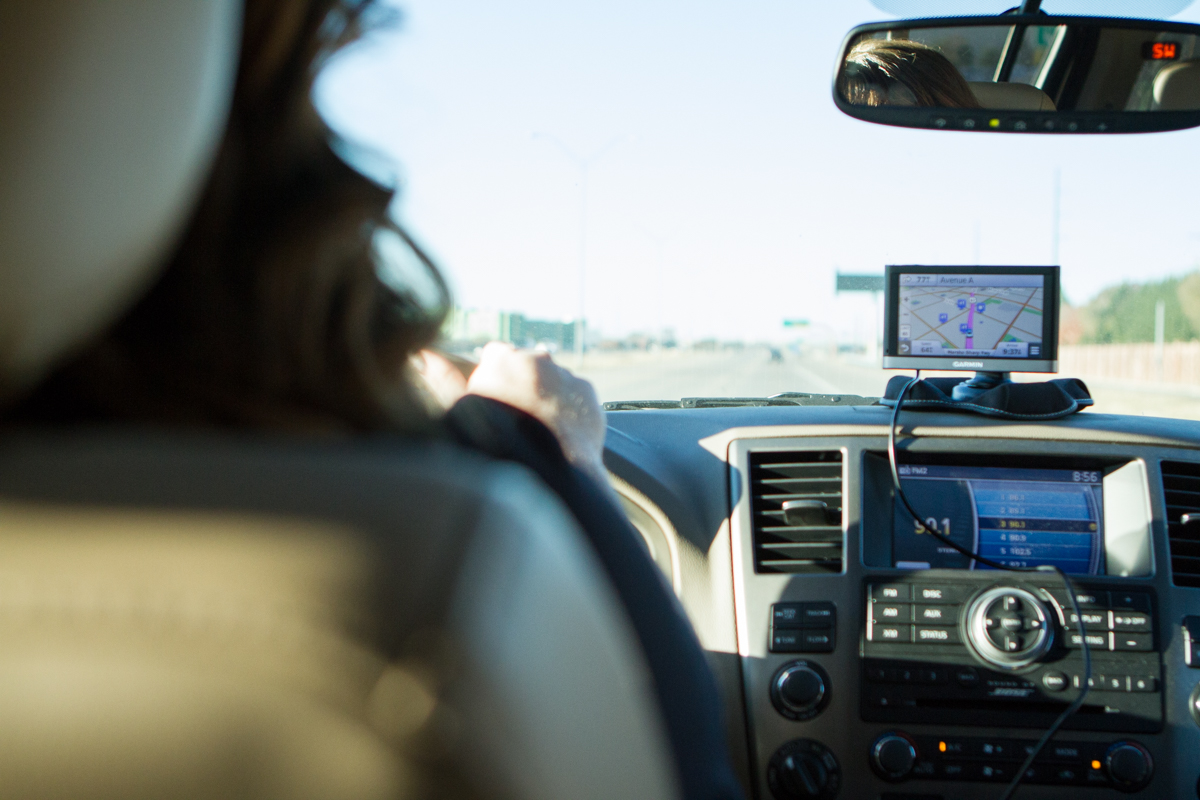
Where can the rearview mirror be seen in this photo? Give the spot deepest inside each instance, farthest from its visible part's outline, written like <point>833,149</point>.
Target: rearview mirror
<point>1024,73</point>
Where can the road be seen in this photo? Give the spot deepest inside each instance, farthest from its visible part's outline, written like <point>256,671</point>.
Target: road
<point>747,373</point>
<point>751,373</point>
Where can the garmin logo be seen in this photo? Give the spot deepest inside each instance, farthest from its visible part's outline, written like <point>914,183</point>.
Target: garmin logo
<point>976,364</point>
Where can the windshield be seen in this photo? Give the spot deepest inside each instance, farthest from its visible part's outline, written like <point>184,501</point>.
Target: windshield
<point>665,196</point>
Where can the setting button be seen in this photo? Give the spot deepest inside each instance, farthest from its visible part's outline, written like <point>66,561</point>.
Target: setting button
<point>1096,641</point>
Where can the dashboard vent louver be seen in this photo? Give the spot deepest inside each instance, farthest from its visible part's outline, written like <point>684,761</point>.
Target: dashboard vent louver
<point>1181,487</point>
<point>807,536</point>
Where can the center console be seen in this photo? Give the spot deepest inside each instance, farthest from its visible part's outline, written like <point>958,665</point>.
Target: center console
<point>906,671</point>
<point>993,651</point>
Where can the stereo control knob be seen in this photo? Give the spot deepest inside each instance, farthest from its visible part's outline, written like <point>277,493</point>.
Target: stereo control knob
<point>1008,627</point>
<point>800,690</point>
<point>1129,766</point>
<point>804,770</point>
<point>893,756</point>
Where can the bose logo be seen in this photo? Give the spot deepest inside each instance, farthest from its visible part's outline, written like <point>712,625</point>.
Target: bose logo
<point>978,364</point>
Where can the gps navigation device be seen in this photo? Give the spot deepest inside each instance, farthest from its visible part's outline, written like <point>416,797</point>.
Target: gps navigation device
<point>984,319</point>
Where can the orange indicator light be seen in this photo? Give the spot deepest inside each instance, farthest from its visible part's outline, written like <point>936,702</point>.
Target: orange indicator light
<point>1095,764</point>
<point>1160,51</point>
<point>942,746</point>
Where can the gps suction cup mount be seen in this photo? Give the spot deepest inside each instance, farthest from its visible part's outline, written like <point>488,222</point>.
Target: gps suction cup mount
<point>992,395</point>
<point>982,382</point>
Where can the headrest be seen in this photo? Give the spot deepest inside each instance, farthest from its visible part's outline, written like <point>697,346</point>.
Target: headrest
<point>110,114</point>
<point>1011,96</point>
<point>1177,87</point>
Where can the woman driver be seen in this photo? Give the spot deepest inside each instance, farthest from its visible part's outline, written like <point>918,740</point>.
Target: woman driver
<point>270,315</point>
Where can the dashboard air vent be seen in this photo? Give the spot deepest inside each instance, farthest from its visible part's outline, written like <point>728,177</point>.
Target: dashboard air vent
<point>1181,486</point>
<point>796,507</point>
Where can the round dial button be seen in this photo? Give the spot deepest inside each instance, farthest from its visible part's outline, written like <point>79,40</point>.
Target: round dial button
<point>800,690</point>
<point>1008,627</point>
<point>1129,766</point>
<point>893,756</point>
<point>804,769</point>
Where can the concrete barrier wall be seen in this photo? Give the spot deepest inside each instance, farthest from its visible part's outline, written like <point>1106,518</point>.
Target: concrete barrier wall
<point>1136,363</point>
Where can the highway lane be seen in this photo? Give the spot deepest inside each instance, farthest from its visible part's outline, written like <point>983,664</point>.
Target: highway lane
<point>746,373</point>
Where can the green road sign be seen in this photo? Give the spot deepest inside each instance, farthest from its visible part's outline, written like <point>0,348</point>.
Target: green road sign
<point>859,283</point>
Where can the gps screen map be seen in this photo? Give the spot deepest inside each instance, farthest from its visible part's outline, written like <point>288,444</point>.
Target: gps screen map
<point>981,316</point>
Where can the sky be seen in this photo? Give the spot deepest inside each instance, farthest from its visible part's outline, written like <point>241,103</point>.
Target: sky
<point>728,190</point>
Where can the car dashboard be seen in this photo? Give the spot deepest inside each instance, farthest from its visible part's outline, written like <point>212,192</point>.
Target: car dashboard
<point>858,659</point>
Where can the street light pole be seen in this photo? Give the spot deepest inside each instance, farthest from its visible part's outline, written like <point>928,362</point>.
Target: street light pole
<point>583,164</point>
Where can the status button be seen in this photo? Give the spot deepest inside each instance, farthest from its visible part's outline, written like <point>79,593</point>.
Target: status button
<point>930,635</point>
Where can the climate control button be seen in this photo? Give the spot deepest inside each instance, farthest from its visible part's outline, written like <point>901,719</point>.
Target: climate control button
<point>1129,766</point>
<point>800,690</point>
<point>893,756</point>
<point>804,769</point>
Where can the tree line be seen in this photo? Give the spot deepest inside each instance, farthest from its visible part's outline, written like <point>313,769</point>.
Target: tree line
<point>1124,314</point>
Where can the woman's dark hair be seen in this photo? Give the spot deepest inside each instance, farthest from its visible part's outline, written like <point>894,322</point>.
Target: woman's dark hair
<point>272,311</point>
<point>902,72</point>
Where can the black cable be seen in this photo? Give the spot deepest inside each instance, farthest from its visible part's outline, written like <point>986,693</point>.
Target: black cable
<point>1085,685</point>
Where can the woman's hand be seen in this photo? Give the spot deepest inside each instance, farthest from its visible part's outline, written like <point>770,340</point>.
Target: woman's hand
<point>532,382</point>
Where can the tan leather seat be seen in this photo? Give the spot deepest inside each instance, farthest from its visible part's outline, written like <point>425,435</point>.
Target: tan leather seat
<point>1177,87</point>
<point>186,615</point>
<point>1011,96</point>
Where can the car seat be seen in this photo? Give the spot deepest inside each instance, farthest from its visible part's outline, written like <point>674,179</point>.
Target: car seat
<point>190,614</point>
<point>1177,87</point>
<point>1011,96</point>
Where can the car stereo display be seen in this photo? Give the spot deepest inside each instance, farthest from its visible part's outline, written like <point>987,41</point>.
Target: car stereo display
<point>1017,517</point>
<point>977,318</point>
